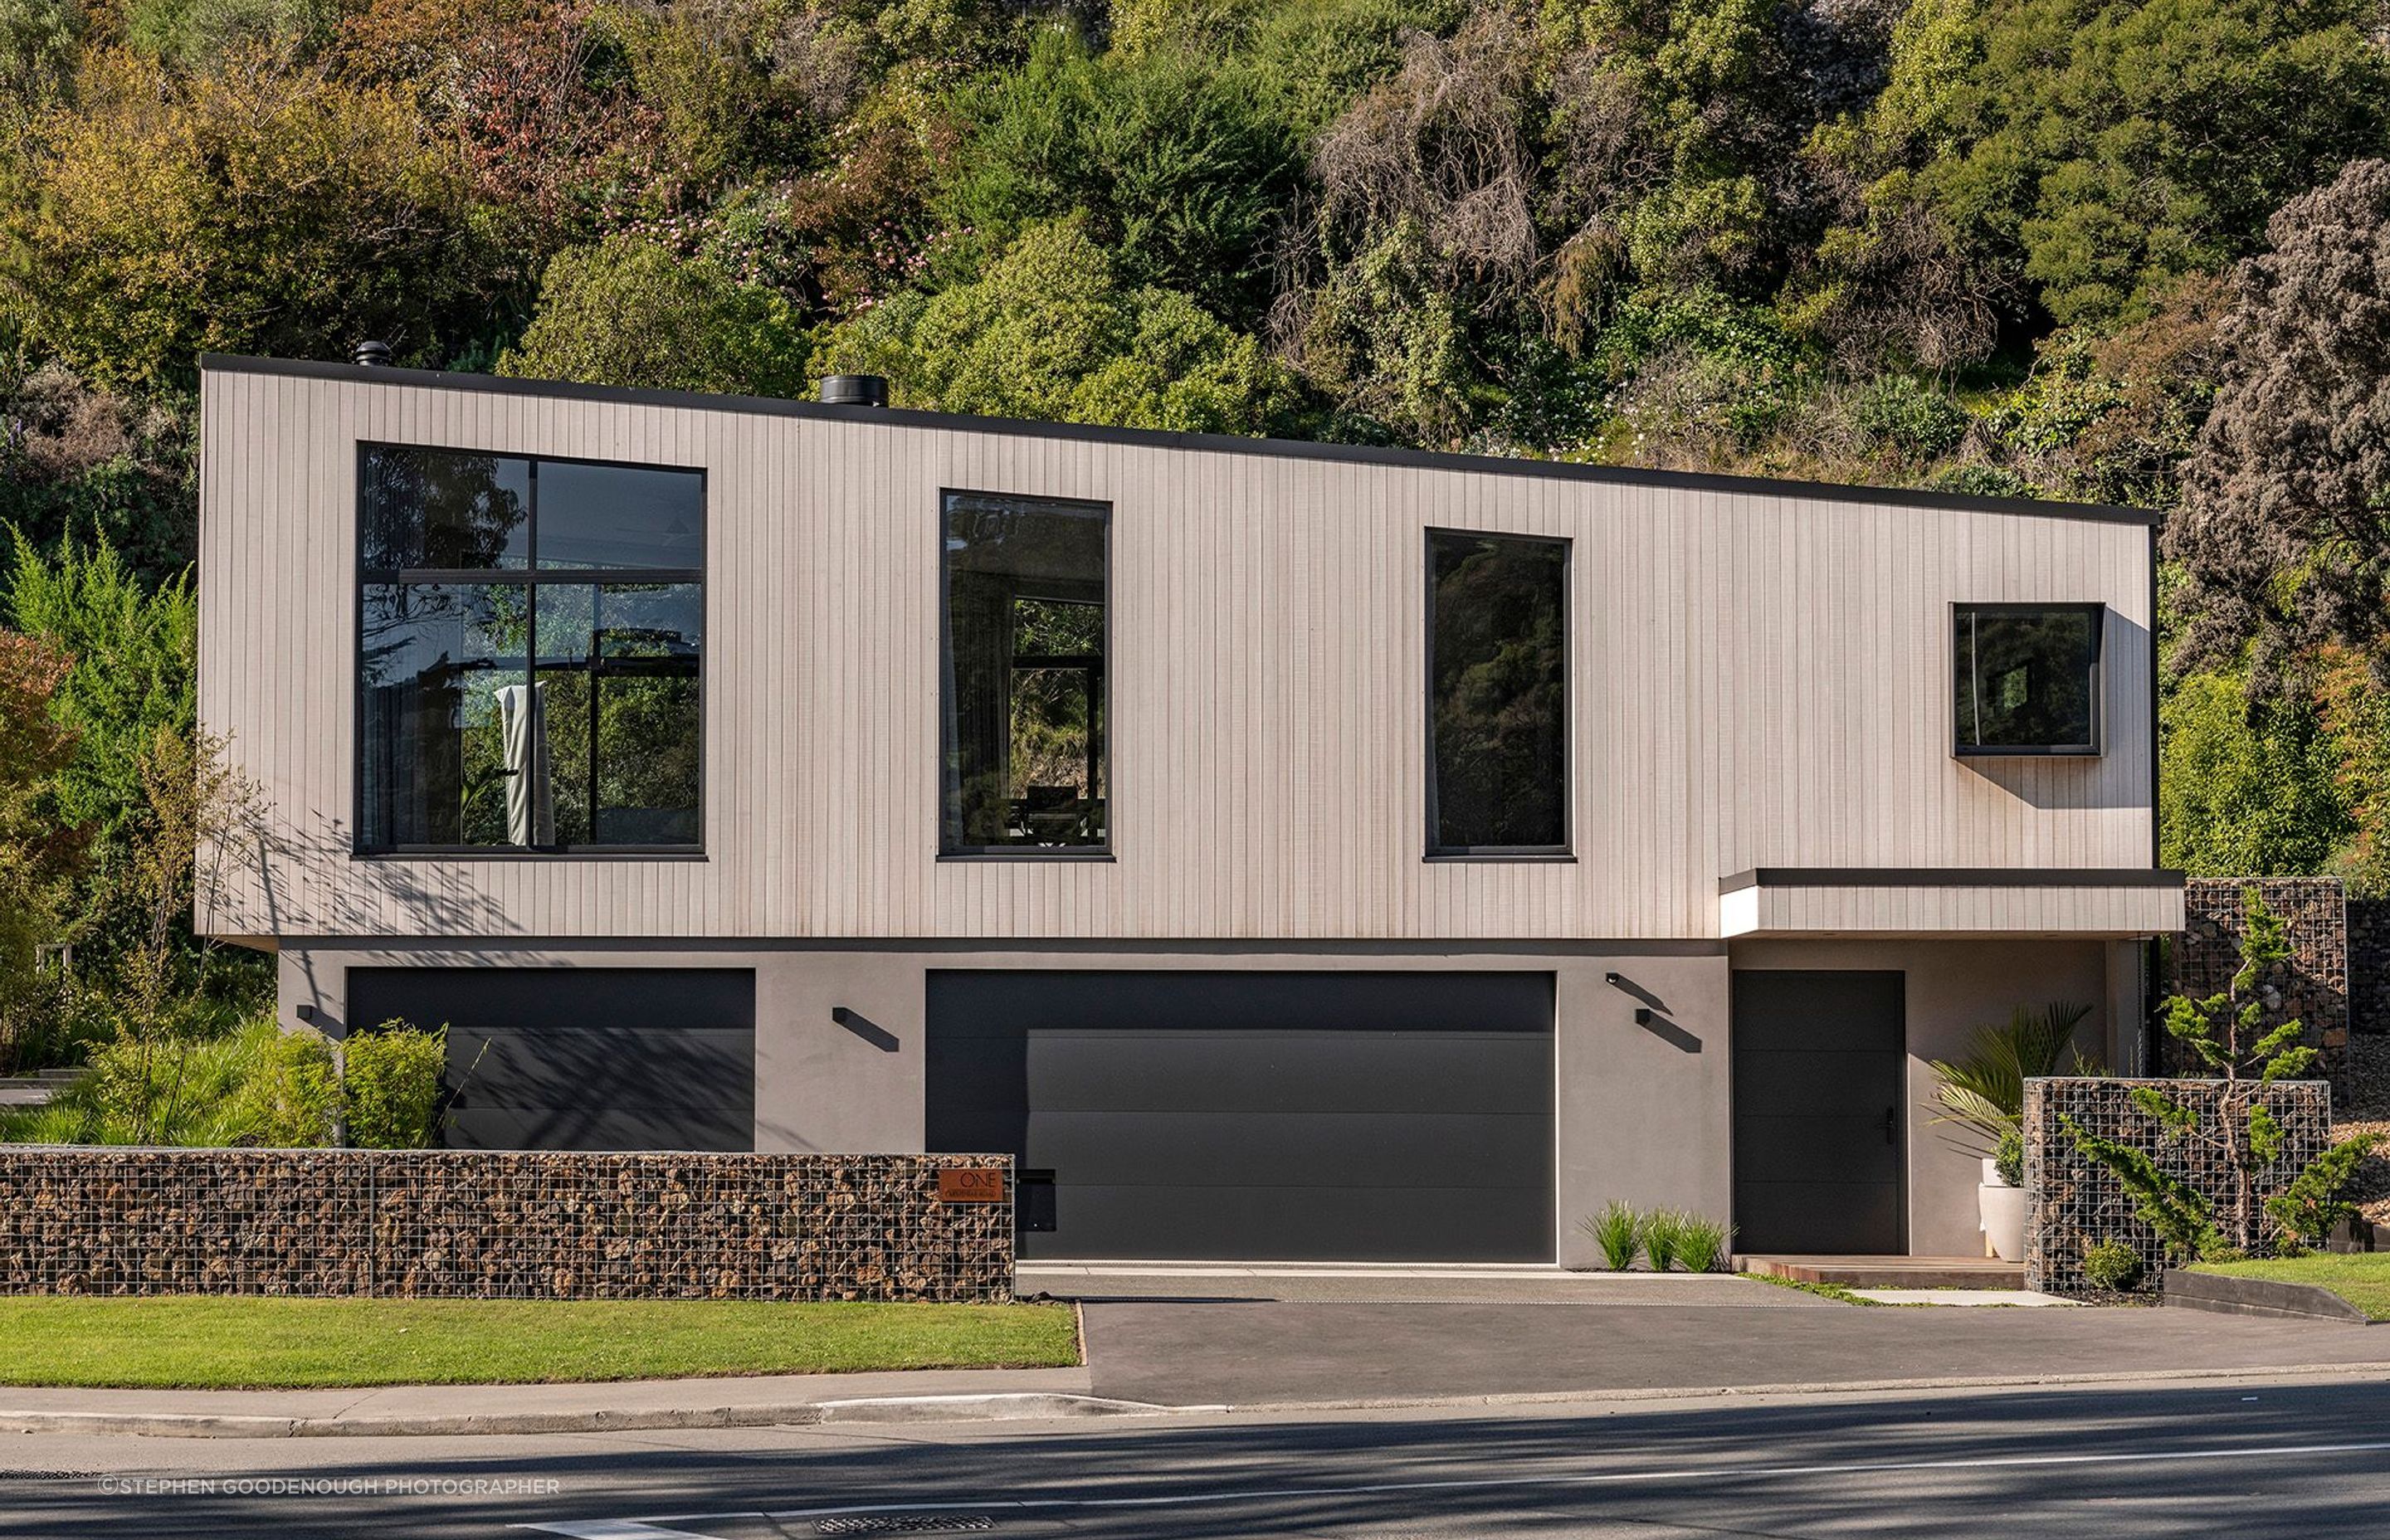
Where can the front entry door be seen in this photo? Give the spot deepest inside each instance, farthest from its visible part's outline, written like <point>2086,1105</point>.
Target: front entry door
<point>1820,1079</point>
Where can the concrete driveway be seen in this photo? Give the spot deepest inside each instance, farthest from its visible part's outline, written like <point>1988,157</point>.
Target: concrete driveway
<point>1180,1339</point>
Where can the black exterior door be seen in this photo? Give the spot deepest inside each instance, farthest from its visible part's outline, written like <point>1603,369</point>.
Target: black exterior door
<point>1256,1116</point>
<point>582,1058</point>
<point>1820,1078</point>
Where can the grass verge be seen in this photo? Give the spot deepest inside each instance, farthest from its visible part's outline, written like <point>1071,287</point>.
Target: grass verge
<point>1823,1291</point>
<point>208,1342</point>
<point>2361,1278</point>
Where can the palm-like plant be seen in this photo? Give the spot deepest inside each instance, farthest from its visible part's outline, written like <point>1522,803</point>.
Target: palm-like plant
<point>1985,1091</point>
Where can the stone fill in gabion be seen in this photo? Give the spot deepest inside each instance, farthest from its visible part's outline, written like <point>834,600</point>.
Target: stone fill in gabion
<point>497,1224</point>
<point>2311,986</point>
<point>2073,1203</point>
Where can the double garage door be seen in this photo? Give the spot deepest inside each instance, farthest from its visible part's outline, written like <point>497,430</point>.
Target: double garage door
<point>1256,1115</point>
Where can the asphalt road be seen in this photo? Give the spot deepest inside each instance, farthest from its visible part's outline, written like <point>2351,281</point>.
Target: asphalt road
<point>2246,1458</point>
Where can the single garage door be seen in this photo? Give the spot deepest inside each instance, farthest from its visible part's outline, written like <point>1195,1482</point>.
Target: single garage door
<point>1256,1115</point>
<point>583,1057</point>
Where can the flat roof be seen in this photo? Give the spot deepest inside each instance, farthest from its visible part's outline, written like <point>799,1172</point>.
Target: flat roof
<point>1147,438</point>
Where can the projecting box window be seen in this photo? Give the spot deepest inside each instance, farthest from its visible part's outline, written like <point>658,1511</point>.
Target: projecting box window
<point>1025,695</point>
<point>2028,678</point>
<point>530,654</point>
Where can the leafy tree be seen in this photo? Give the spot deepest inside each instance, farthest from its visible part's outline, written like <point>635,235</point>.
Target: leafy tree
<point>1176,167</point>
<point>1052,332</point>
<point>2284,531</point>
<point>36,854</point>
<point>198,34</point>
<point>2246,787</point>
<point>2227,1035</point>
<point>84,464</point>
<point>134,652</point>
<point>2092,149</point>
<point>251,209</point>
<point>630,312</point>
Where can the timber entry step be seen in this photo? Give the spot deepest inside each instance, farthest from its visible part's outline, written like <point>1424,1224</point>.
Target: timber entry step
<point>1879,1272</point>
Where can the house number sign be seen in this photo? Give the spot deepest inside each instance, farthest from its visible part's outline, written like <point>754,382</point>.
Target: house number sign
<point>970,1185</point>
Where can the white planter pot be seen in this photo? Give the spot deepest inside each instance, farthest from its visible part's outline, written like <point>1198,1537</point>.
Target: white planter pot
<point>2002,1208</point>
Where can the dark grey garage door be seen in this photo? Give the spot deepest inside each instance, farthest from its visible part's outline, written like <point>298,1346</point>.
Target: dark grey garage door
<point>1819,1071</point>
<point>1377,1116</point>
<point>583,1057</point>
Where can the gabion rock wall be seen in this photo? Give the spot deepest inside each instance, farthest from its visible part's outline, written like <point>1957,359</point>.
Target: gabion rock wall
<point>2312,986</point>
<point>2369,964</point>
<point>497,1224</point>
<point>2073,1203</point>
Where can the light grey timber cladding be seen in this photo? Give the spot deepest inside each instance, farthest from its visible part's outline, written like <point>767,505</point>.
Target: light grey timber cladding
<point>1758,679</point>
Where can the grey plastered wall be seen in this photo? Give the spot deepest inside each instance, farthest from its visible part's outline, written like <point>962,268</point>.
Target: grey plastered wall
<point>1643,1112</point>
<point>1952,987</point>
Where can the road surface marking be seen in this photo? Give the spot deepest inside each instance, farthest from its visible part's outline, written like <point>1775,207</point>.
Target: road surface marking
<point>647,1529</point>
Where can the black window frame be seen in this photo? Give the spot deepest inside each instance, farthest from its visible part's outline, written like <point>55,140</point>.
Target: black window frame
<point>1434,850</point>
<point>1102,732</point>
<point>531,579</point>
<point>2098,614</point>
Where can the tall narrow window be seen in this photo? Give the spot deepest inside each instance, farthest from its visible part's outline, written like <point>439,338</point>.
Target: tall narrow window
<point>2026,678</point>
<point>1025,686</point>
<point>1497,695</point>
<point>529,654</point>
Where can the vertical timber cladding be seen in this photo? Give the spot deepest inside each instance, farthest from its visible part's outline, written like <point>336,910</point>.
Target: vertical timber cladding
<point>1256,1115</point>
<point>582,1058</point>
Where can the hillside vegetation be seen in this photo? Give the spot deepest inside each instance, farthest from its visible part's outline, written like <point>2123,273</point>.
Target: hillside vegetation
<point>2132,251</point>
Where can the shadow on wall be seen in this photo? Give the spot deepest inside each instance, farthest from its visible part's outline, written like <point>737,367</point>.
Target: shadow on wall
<point>2085,780</point>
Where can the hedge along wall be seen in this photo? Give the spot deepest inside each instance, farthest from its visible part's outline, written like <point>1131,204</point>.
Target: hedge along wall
<point>2311,986</point>
<point>498,1224</point>
<point>2072,1203</point>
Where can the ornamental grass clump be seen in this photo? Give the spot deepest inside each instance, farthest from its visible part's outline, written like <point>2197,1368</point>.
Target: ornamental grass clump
<point>1663,1237</point>
<point>1703,1245</point>
<point>1617,1230</point>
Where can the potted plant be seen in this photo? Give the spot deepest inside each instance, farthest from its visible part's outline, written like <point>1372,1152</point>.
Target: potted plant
<point>1985,1094</point>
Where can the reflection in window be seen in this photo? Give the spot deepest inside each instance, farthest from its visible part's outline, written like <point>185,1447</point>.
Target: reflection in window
<point>554,703</point>
<point>1497,676</point>
<point>1025,686</point>
<point>2026,678</point>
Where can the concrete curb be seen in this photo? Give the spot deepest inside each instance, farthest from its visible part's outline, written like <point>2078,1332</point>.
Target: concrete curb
<point>2227,1295</point>
<point>994,1407</point>
<point>1038,1404</point>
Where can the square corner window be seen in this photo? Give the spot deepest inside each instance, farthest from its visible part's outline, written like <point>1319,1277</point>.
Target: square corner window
<point>2026,678</point>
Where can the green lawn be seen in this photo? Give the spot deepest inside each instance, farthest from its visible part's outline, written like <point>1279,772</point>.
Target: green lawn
<point>212,1342</point>
<point>2363,1279</point>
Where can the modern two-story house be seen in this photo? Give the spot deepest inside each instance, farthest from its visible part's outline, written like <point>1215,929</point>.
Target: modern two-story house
<point>1285,851</point>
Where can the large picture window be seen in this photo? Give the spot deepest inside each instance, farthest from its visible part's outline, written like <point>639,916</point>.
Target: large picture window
<point>530,642</point>
<point>1497,695</point>
<point>1023,684</point>
<point>2026,678</point>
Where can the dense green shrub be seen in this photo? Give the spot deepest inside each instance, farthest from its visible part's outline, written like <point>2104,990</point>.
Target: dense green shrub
<point>391,1078</point>
<point>633,311</point>
<point>1051,332</point>
<point>259,1085</point>
<point>2111,1265</point>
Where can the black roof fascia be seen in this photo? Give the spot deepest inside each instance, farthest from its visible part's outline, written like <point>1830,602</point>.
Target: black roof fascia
<point>1218,444</point>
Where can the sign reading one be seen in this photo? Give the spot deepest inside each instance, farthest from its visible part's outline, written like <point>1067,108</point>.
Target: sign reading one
<point>970,1185</point>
